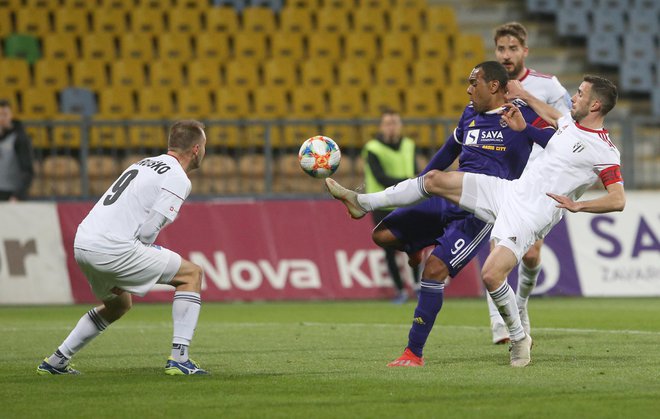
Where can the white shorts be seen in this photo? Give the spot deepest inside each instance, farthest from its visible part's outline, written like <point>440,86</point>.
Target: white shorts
<point>492,200</point>
<point>135,272</point>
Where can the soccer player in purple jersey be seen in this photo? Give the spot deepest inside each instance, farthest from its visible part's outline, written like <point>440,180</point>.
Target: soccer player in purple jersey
<point>485,145</point>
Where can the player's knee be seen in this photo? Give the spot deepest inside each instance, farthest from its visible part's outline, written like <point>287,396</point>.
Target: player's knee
<point>532,258</point>
<point>196,277</point>
<point>435,270</point>
<point>433,180</point>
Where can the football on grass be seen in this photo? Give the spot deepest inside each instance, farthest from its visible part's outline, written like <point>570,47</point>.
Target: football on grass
<point>319,156</point>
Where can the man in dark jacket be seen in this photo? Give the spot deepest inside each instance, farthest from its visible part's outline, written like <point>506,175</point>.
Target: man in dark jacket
<point>16,169</point>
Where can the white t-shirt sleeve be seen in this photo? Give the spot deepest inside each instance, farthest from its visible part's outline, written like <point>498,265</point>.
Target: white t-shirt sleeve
<point>559,97</point>
<point>173,192</point>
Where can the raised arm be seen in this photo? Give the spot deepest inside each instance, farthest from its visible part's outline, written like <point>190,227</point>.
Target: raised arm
<point>545,111</point>
<point>614,200</point>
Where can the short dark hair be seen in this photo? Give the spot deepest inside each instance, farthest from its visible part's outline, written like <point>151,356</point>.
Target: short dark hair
<point>494,71</point>
<point>603,90</point>
<point>388,111</point>
<point>514,29</point>
<point>184,134</point>
<point>4,103</point>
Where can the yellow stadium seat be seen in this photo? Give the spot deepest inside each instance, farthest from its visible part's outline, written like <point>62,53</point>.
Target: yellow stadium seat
<point>398,45</point>
<point>355,73</point>
<point>375,5</point>
<point>433,45</point>
<point>345,102</point>
<point>307,102</point>
<point>255,137</point>
<point>193,103</point>
<point>345,135</point>
<point>258,19</point>
<point>136,46</point>
<point>155,4</point>
<point>232,102</point>
<point>318,73</point>
<point>118,4</point>
<point>5,25</point>
<point>60,47</point>
<point>11,4</point>
<point>204,73</point>
<point>39,103</point>
<point>154,103</point>
<point>324,46</point>
<point>469,47</point>
<point>441,19</point>
<point>77,4</point>
<point>429,73</point>
<point>39,136</point>
<point>454,100</point>
<point>61,167</point>
<point>107,137</point>
<point>98,46</point>
<point>304,4</point>
<point>116,103</point>
<point>421,101</point>
<point>294,134</point>
<point>221,19</point>
<point>51,74</point>
<point>344,5</point>
<point>112,21</point>
<point>128,73</point>
<point>67,136</point>
<point>219,165</point>
<point>100,166</point>
<point>14,74</point>
<point>411,4</point>
<point>149,21</point>
<point>381,98</point>
<point>242,74</point>
<point>270,102</point>
<point>296,20</point>
<point>184,21</point>
<point>213,46</point>
<point>90,74</point>
<point>73,21</point>
<point>361,46</point>
<point>406,20</point>
<point>174,47</point>
<point>333,20</point>
<point>223,136</point>
<point>280,72</point>
<point>370,21</point>
<point>147,136</point>
<point>250,46</point>
<point>32,21</point>
<point>288,45</point>
<point>166,74</point>
<point>459,71</point>
<point>392,72</point>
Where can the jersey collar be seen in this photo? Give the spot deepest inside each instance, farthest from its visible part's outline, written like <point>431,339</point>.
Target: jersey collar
<point>525,75</point>
<point>597,131</point>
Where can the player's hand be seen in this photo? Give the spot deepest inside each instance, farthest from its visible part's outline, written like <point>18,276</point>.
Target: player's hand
<point>565,202</point>
<point>513,117</point>
<point>514,90</point>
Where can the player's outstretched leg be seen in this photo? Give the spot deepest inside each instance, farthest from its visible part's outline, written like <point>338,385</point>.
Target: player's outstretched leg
<point>347,197</point>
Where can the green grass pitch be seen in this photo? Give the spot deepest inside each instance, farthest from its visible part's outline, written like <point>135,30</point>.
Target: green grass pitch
<point>592,358</point>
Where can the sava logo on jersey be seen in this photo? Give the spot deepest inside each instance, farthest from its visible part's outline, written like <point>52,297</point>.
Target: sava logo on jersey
<point>159,166</point>
<point>475,136</point>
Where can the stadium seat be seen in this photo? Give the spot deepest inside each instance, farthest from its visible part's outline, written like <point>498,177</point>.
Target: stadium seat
<point>636,76</point>
<point>118,4</point>
<point>67,132</point>
<point>429,72</point>
<point>154,103</point>
<point>116,103</point>
<point>60,47</point>
<point>433,45</point>
<point>147,21</point>
<point>61,167</point>
<point>373,5</point>
<point>650,6</point>
<point>303,4</point>
<point>14,74</point>
<point>21,46</point>
<point>324,46</point>
<point>406,20</point>
<point>224,136</point>
<point>98,46</point>
<point>572,22</point>
<point>128,73</point>
<point>111,137</point>
<point>204,73</point>
<point>296,20</point>
<point>410,4</point>
<point>441,19</point>
<point>258,19</point>
<point>174,47</point>
<point>39,104</point>
<point>166,74</point>
<point>356,73</point>
<point>280,72</point>
<point>294,134</point>
<point>381,98</point>
<point>147,137</point>
<point>91,74</point>
<point>361,46</point>
<point>287,45</point>
<point>275,5</point>
<point>542,6</point>
<point>51,74</point>
<point>78,100</point>
<point>607,21</point>
<point>232,102</point>
<point>454,100</point>
<point>655,101</point>
<point>136,46</point>
<point>423,136</point>
<point>184,21</point>
<point>270,102</point>
<point>213,46</point>
<point>242,74</point>
<point>101,166</point>
<point>193,103</point>
<point>219,165</point>
<point>307,102</point>
<point>604,48</point>
<point>32,22</point>
<point>40,138</point>
<point>333,20</point>
<point>639,47</point>
<point>345,102</point>
<point>318,73</point>
<point>459,71</point>
<point>391,72</point>
<point>369,21</point>
<point>398,46</point>
<point>643,21</point>
<point>6,26</point>
<point>71,21</point>
<point>345,135</point>
<point>250,47</point>
<point>112,21</point>
<point>421,101</point>
<point>237,5</point>
<point>221,20</point>
<point>469,47</point>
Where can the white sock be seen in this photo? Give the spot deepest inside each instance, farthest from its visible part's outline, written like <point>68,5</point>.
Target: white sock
<point>185,312</point>
<point>527,278</point>
<point>505,300</point>
<point>492,310</point>
<point>408,192</point>
<point>179,352</point>
<point>89,326</point>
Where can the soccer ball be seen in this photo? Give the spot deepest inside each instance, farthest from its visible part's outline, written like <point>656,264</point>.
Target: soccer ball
<point>319,156</point>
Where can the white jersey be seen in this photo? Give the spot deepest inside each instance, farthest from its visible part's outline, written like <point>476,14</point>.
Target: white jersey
<point>546,88</point>
<point>574,159</point>
<point>112,226</point>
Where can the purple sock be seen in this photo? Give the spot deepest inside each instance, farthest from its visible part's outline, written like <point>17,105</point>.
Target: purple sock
<point>429,304</point>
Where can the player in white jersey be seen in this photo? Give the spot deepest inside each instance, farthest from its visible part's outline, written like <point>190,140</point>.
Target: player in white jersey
<point>523,210</point>
<point>511,50</point>
<point>114,249</point>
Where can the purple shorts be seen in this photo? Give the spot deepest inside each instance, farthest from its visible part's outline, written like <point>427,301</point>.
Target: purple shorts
<point>457,234</point>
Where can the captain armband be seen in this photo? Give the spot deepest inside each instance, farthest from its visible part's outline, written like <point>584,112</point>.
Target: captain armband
<point>611,175</point>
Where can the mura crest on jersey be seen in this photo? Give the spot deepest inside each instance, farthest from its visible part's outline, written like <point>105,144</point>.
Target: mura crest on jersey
<point>577,147</point>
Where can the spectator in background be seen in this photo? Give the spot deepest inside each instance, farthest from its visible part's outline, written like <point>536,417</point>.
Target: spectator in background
<point>389,159</point>
<point>16,169</point>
